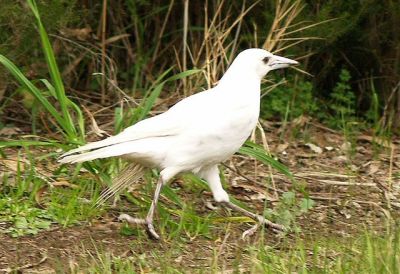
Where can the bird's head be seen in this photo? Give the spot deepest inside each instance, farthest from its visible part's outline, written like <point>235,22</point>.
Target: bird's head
<point>261,61</point>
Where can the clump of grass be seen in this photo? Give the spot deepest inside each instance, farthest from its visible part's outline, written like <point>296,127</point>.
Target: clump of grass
<point>22,217</point>
<point>366,254</point>
<point>32,200</point>
<point>71,128</point>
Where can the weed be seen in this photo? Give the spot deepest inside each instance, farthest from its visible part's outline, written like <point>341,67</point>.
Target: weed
<point>104,262</point>
<point>342,105</point>
<point>367,254</point>
<point>22,217</point>
<point>288,209</point>
<point>291,101</point>
<point>72,205</point>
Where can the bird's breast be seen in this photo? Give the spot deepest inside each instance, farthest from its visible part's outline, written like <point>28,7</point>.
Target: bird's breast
<point>223,135</point>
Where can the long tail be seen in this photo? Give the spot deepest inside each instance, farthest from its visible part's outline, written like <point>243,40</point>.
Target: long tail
<point>94,145</point>
<point>126,177</point>
<point>104,152</point>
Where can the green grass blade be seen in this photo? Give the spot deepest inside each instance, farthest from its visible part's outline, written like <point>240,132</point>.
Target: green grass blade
<point>54,73</point>
<point>50,87</point>
<point>183,74</point>
<point>157,88</point>
<point>258,152</point>
<point>34,91</point>
<point>149,102</point>
<point>25,143</point>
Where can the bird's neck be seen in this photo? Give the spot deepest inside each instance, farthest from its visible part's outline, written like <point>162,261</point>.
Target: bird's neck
<point>239,75</point>
<point>240,81</point>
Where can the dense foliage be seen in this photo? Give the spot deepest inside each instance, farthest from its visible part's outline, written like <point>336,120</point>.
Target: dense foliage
<point>350,49</point>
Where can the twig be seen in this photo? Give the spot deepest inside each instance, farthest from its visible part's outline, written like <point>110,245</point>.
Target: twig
<point>19,268</point>
<point>185,46</point>
<point>337,183</point>
<point>385,109</point>
<point>103,51</point>
<point>236,171</point>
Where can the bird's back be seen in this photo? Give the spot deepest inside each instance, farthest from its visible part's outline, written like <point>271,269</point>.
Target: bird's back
<point>210,127</point>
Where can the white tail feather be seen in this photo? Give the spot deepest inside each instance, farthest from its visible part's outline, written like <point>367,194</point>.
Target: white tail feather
<point>113,140</point>
<point>129,175</point>
<point>152,127</point>
<point>105,152</point>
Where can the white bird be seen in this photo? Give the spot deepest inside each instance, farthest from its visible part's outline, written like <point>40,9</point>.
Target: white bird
<point>194,135</point>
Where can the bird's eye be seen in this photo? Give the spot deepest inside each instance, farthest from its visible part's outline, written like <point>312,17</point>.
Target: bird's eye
<point>266,60</point>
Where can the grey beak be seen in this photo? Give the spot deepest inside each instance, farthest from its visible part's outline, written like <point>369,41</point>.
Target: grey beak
<point>281,62</point>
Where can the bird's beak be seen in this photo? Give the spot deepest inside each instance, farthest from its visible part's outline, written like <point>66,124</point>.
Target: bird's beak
<point>278,62</point>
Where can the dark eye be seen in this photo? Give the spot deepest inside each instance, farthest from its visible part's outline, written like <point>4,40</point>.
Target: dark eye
<point>266,60</point>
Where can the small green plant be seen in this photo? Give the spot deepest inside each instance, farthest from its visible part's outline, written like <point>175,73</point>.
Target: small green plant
<point>288,209</point>
<point>342,103</point>
<point>22,218</point>
<point>342,112</point>
<point>290,100</point>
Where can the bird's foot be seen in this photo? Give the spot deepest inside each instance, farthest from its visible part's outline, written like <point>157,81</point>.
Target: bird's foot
<point>148,222</point>
<point>261,221</point>
<point>277,228</point>
<point>274,226</point>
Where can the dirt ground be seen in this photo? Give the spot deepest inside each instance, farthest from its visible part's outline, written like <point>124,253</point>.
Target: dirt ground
<point>354,187</point>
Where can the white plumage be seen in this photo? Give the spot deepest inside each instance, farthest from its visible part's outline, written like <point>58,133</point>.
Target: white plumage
<point>197,133</point>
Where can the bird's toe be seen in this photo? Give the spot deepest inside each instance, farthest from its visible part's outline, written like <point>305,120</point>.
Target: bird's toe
<point>274,226</point>
<point>151,232</point>
<point>130,219</point>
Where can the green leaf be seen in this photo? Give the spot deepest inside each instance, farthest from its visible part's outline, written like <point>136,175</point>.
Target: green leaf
<point>183,74</point>
<point>42,224</point>
<point>21,222</point>
<point>258,152</point>
<point>155,89</point>
<point>32,89</point>
<point>54,71</point>
<point>25,143</point>
<point>306,204</point>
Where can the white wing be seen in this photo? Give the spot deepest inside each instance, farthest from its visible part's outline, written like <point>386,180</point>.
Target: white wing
<point>169,123</point>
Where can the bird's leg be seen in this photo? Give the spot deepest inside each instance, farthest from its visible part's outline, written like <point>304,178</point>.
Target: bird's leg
<point>211,175</point>
<point>258,218</point>
<point>150,215</point>
<point>148,221</point>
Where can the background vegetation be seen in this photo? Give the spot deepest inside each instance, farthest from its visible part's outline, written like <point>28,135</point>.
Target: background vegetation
<point>352,43</point>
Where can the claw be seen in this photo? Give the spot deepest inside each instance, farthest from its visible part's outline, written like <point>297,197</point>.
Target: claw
<point>275,227</point>
<point>149,224</point>
<point>130,219</point>
<point>151,232</point>
<point>250,232</point>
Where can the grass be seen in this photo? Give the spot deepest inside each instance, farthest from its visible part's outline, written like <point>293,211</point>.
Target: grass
<point>367,253</point>
<point>208,241</point>
<point>33,201</point>
<point>63,121</point>
<point>40,196</point>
